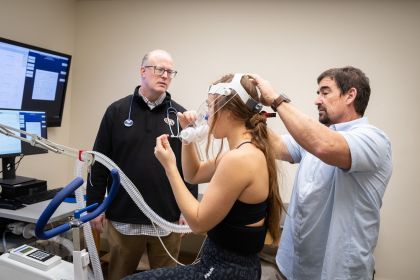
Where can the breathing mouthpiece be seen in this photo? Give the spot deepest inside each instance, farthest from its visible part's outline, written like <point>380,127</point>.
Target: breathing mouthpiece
<point>194,134</point>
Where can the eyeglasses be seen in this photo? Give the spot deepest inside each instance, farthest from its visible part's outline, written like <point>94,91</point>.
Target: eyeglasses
<point>160,71</point>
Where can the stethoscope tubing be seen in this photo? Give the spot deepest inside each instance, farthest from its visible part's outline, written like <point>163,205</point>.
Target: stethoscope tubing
<point>129,122</point>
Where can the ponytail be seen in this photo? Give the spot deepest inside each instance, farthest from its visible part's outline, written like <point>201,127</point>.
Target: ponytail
<point>257,126</point>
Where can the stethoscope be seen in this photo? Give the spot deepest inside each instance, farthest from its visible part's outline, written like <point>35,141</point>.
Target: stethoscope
<point>129,122</point>
<point>171,110</point>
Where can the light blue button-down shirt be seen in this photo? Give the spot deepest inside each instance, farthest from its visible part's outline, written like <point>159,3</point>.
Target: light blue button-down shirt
<point>333,218</point>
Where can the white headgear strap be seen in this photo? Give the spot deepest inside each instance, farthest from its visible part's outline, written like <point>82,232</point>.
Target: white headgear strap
<point>226,89</point>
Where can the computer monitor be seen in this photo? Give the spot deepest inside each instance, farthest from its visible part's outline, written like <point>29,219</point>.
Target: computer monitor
<point>10,147</point>
<point>33,79</point>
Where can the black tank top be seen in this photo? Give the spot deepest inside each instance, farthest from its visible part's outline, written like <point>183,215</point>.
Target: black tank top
<point>233,234</point>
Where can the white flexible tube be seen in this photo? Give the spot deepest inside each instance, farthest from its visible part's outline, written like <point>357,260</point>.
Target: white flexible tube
<point>67,243</point>
<point>87,230</point>
<point>135,195</point>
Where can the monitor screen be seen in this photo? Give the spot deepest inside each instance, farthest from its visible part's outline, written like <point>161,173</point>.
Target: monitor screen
<point>33,79</point>
<point>10,147</point>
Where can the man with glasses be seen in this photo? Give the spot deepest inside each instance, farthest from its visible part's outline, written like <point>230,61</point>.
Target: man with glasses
<point>127,135</point>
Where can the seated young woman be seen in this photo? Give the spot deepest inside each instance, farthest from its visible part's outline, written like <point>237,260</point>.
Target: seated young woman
<point>242,200</point>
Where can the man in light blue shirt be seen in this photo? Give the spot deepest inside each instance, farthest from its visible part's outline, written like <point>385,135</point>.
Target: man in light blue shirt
<point>332,225</point>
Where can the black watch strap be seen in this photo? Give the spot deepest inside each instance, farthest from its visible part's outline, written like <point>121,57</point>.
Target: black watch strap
<point>280,99</point>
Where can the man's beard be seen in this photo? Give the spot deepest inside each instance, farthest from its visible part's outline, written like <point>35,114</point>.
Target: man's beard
<point>324,118</point>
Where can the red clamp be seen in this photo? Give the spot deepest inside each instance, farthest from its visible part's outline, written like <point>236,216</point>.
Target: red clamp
<point>80,155</point>
<point>268,115</point>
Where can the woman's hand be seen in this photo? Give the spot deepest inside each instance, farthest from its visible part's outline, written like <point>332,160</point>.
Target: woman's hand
<point>164,153</point>
<point>187,118</point>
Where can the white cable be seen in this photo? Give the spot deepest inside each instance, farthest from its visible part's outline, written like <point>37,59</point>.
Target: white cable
<point>4,241</point>
<point>197,259</point>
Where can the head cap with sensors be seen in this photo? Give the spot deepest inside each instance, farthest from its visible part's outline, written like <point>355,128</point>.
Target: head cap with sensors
<point>199,130</point>
<point>226,89</point>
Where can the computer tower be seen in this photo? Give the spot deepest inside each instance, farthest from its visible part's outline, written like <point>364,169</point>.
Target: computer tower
<point>26,188</point>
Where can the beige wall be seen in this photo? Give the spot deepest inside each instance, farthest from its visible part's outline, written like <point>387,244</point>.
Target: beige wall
<point>288,42</point>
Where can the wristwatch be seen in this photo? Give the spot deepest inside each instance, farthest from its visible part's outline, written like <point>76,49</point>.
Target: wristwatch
<point>280,99</point>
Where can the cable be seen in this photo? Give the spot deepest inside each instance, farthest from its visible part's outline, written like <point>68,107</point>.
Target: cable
<point>18,162</point>
<point>4,241</point>
<point>197,259</point>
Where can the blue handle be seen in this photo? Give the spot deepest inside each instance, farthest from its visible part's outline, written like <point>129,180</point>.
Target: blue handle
<point>59,198</point>
<point>79,212</point>
<point>110,197</point>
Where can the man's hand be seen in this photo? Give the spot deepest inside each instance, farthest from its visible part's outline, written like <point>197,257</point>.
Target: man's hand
<point>182,221</point>
<point>187,118</point>
<point>268,94</point>
<point>98,223</point>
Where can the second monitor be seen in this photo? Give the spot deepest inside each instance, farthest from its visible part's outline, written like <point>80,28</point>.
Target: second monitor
<point>29,121</point>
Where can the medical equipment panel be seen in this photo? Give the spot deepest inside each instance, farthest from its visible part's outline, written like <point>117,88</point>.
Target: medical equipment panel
<point>34,257</point>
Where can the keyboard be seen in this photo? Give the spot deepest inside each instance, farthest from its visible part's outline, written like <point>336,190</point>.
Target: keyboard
<point>38,196</point>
